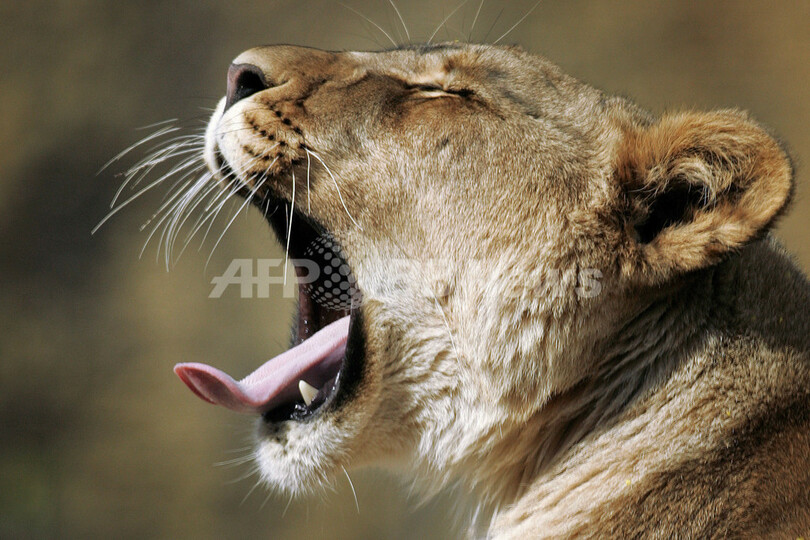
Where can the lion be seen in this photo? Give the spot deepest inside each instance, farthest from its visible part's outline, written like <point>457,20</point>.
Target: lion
<point>512,282</point>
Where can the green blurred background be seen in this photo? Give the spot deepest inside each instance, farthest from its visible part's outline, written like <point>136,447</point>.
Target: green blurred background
<point>97,436</point>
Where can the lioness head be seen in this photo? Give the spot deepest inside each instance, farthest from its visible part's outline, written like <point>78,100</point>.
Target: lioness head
<point>473,230</point>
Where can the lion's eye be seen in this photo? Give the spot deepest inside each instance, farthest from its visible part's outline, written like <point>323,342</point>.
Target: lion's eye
<point>427,88</point>
<point>435,90</point>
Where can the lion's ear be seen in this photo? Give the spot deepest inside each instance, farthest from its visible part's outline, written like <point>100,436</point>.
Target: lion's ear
<point>697,186</point>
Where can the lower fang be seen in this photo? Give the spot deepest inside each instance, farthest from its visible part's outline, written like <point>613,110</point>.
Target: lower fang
<point>308,392</point>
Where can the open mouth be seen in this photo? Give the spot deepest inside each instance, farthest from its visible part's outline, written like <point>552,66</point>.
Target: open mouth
<point>324,364</point>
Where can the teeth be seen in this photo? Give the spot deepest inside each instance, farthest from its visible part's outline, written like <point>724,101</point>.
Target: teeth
<point>308,392</point>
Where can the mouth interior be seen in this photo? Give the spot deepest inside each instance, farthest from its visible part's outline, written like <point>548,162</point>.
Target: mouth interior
<point>306,378</point>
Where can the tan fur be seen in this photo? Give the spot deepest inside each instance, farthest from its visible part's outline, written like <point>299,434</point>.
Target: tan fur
<point>572,307</point>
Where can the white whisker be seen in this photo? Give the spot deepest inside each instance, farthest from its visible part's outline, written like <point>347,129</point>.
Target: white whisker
<point>401,20</point>
<point>337,186</point>
<point>394,43</point>
<point>251,472</point>
<point>128,149</point>
<point>156,124</point>
<point>517,23</point>
<point>211,216</point>
<point>201,219</point>
<point>134,171</point>
<point>182,205</point>
<point>158,152</point>
<point>188,211</point>
<point>266,499</point>
<point>497,18</point>
<point>289,229</point>
<point>351,484</point>
<point>155,228</point>
<point>172,194</point>
<point>441,24</point>
<point>251,490</point>
<point>284,513</point>
<point>142,169</point>
<point>475,19</point>
<point>134,197</point>
<point>309,163</point>
<point>182,180</point>
<point>235,461</point>
<point>244,204</point>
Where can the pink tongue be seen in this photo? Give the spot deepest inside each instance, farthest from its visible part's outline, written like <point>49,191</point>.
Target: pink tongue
<point>276,381</point>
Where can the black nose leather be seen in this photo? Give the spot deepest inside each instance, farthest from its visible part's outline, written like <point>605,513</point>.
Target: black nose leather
<point>244,80</point>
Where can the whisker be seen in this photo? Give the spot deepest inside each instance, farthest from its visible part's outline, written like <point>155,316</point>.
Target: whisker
<point>251,471</point>
<point>251,490</point>
<point>266,499</point>
<point>337,186</point>
<point>401,20</point>
<point>223,193</point>
<point>156,124</point>
<point>284,513</point>
<point>165,217</point>
<point>475,19</point>
<point>141,170</point>
<point>212,215</point>
<point>241,449</point>
<point>169,199</point>
<point>128,149</point>
<point>367,37</point>
<point>165,147</point>
<point>351,484</point>
<point>517,23</point>
<point>175,215</point>
<point>188,211</point>
<point>171,189</point>
<point>234,461</point>
<point>497,18</point>
<point>134,197</point>
<point>182,206</point>
<point>289,229</point>
<point>394,43</point>
<point>309,208</point>
<point>244,204</point>
<point>201,219</point>
<point>169,147</point>
<point>229,191</point>
<point>441,24</point>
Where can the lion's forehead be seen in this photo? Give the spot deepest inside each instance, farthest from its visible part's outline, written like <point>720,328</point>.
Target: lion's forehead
<point>484,63</point>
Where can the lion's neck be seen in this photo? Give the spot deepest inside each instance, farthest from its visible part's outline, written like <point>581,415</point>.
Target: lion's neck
<point>559,464</point>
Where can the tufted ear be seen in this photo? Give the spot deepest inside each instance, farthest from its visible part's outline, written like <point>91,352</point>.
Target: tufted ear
<point>698,186</point>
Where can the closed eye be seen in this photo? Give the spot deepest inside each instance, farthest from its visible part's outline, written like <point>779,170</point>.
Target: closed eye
<point>434,90</point>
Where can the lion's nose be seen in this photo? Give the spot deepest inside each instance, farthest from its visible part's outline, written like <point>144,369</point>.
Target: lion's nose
<point>244,80</point>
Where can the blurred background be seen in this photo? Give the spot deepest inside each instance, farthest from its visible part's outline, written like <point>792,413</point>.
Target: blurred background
<point>98,438</point>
